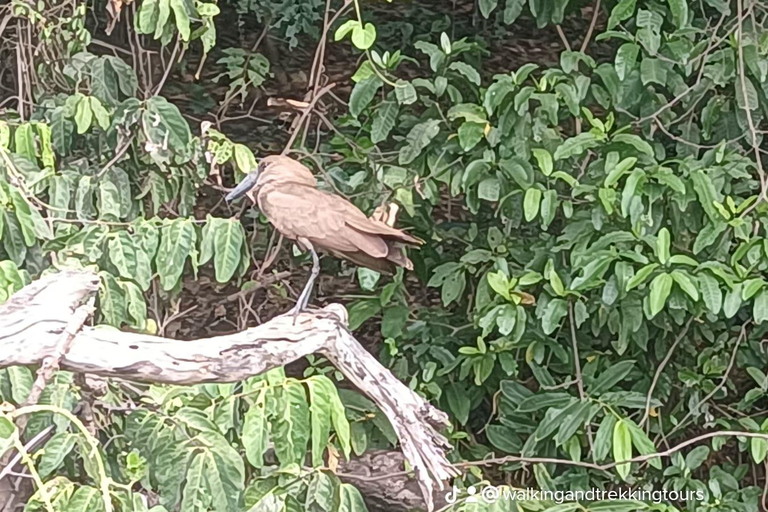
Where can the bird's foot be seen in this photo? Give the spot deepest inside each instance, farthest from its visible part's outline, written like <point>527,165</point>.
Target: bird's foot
<point>295,311</point>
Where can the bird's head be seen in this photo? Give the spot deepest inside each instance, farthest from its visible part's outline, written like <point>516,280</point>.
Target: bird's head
<point>249,182</point>
<point>273,169</point>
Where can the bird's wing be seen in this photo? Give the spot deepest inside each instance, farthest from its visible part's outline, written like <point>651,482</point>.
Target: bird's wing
<point>357,220</point>
<point>304,212</point>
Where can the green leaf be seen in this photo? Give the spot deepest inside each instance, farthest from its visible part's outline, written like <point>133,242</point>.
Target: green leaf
<point>467,71</point>
<point>620,12</point>
<point>345,28</point>
<point>112,303</point>
<point>642,442</point>
<point>163,14</point>
<point>679,10</point>
<point>55,451</point>
<point>489,189</point>
<point>499,283</point>
<point>244,158</point>
<point>544,160</point>
<point>574,421</point>
<point>636,142</point>
<point>320,394</point>
<point>99,112</point>
<point>177,239</point>
<point>504,438</point>
<point>194,490</point>
<point>682,259</point>
<point>228,240</point>
<point>758,448</point>
<point>321,492</point>
<point>165,124</point>
<point>549,205</point>
<point>619,170</point>
<point>255,431</point>
<point>384,120</point>
<point>746,94</point>
<point>662,245</point>
<point>85,499</point>
<point>363,93</point>
<point>556,310</point>
<point>760,308</point>
<point>21,380</point>
<point>136,305</point>
<point>732,302</point>
<point>458,402</point>
<point>612,376</point>
<point>512,10</point>
<point>182,18</point>
<point>661,286</point>
<point>575,146</point>
<point>487,7</point>
<point>547,400</point>
<point>24,142</point>
<point>470,134</point>
<point>686,283</point>
<point>531,203</point>
<point>653,71</point>
<point>13,238</point>
<point>641,276</point>
<point>710,292</point>
<point>705,190</point>
<point>405,92</point>
<point>603,437</point>
<point>708,235</point>
<point>696,457</point>
<point>291,428</point>
<point>350,499</point>
<point>622,447</point>
<point>83,115</point>
<point>626,57</point>
<point>418,138</point>
<point>363,37</point>
<point>453,287</point>
<point>122,254</point>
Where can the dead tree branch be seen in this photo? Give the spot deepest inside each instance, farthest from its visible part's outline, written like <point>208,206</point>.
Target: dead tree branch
<point>33,321</point>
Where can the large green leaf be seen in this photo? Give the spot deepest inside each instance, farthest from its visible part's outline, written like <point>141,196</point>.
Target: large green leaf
<point>660,287</point>
<point>418,138</point>
<point>228,240</point>
<point>622,447</point>
<point>363,93</point>
<point>176,241</point>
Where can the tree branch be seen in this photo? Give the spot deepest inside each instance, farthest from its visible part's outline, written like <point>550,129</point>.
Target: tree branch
<point>33,321</point>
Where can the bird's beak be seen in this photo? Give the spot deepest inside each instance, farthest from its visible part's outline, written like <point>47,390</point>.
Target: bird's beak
<point>247,184</point>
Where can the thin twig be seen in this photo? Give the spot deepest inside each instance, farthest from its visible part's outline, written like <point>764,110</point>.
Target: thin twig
<point>723,379</point>
<point>305,114</point>
<point>591,28</point>
<point>168,67</point>
<point>660,369</point>
<point>562,37</point>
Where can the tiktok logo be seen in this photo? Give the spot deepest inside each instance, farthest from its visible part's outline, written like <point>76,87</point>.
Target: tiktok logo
<point>452,496</point>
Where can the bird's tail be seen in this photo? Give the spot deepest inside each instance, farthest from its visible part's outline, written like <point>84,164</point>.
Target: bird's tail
<point>398,256</point>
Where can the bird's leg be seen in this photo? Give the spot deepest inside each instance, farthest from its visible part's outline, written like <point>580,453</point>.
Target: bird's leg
<point>303,300</point>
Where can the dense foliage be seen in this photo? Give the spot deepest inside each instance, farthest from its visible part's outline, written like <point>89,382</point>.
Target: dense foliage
<point>592,288</point>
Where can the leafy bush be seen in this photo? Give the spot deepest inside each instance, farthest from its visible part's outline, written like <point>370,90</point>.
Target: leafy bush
<point>592,291</point>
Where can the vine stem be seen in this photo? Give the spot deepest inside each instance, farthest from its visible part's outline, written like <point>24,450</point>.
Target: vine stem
<point>104,480</point>
<point>33,472</point>
<point>660,369</point>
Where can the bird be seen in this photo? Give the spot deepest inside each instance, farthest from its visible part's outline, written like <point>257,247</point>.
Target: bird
<point>286,192</point>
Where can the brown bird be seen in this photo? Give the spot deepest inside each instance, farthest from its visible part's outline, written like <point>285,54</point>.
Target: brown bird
<point>286,192</point>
